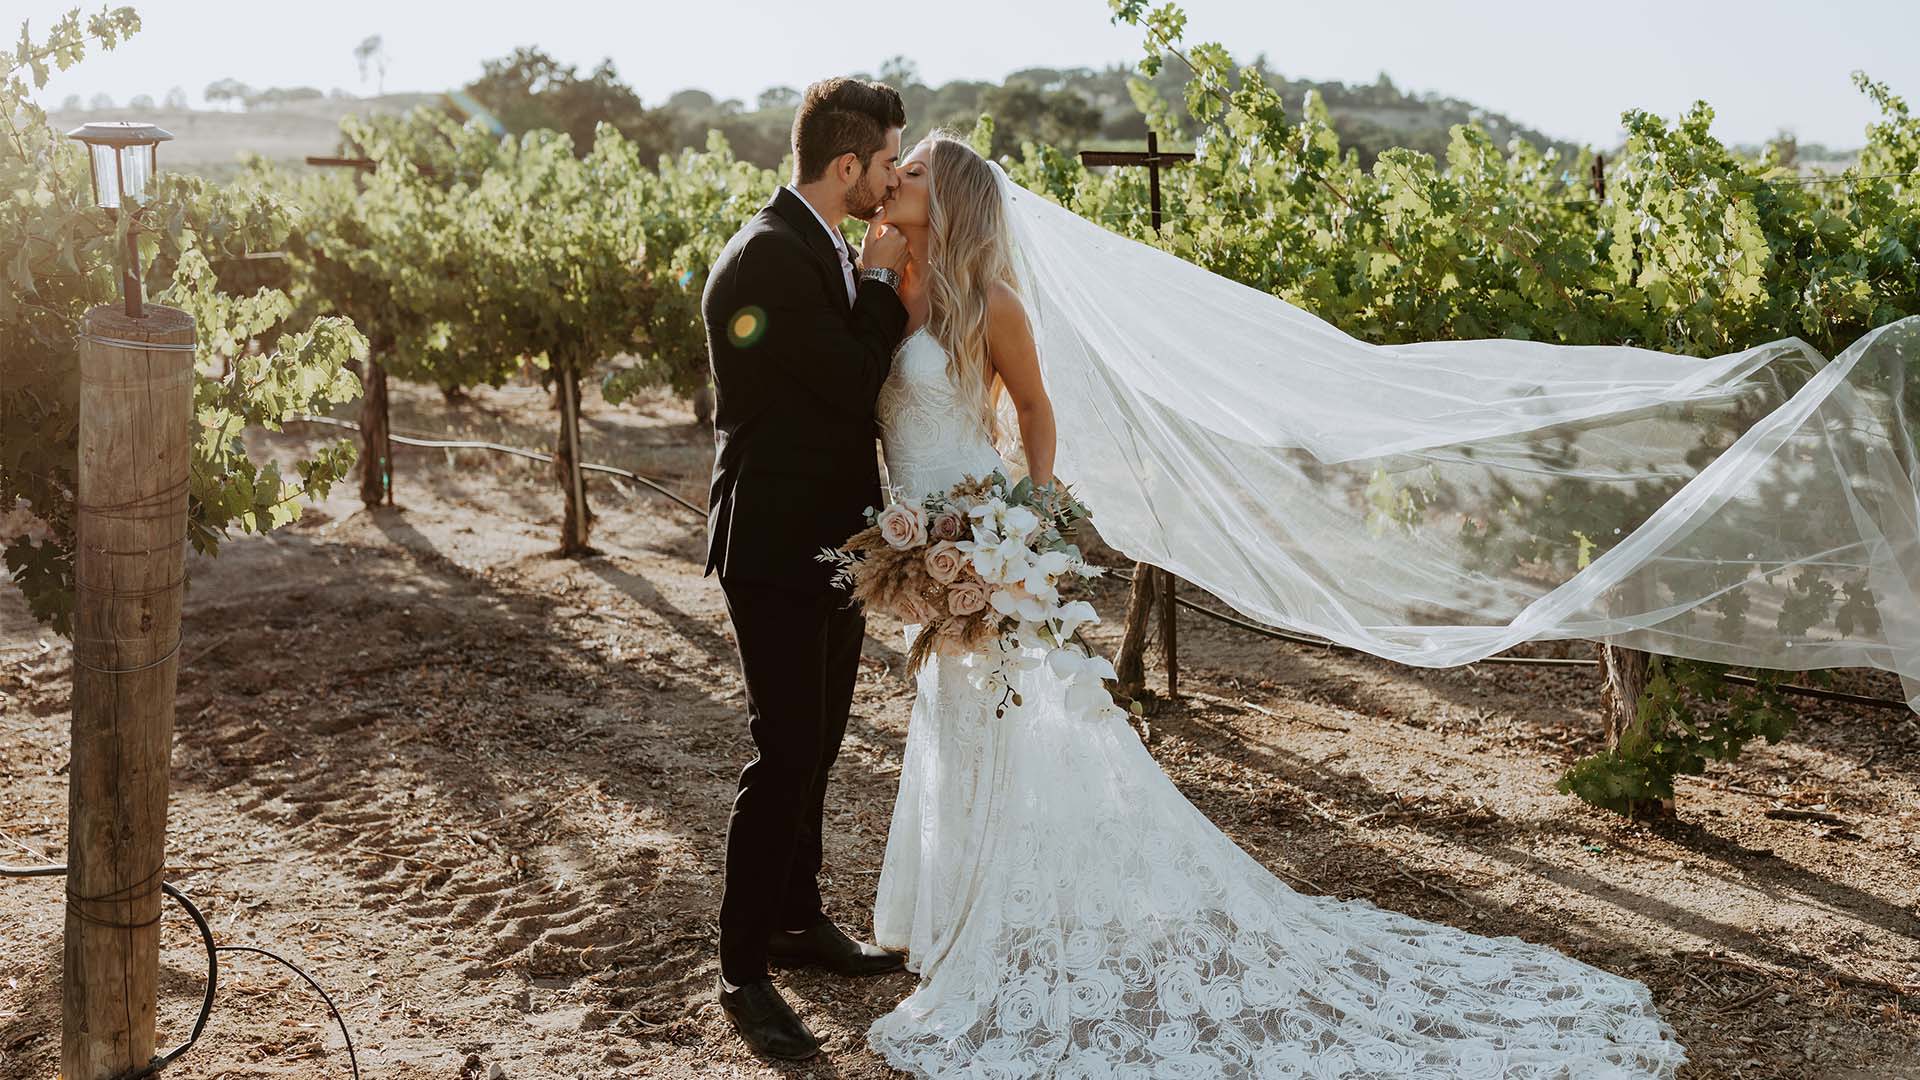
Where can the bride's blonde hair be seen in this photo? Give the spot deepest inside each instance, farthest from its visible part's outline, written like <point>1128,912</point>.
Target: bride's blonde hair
<point>971,250</point>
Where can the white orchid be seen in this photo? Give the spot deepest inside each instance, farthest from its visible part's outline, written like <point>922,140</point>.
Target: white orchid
<point>999,561</point>
<point>1016,559</point>
<point>993,668</point>
<point>1087,696</point>
<point>1017,603</point>
<point>1040,573</point>
<point>1013,521</point>
<point>1026,657</point>
<point>1019,521</point>
<point>1037,585</point>
<point>1052,563</point>
<point>1074,664</point>
<point>990,679</point>
<point>983,553</point>
<point>1071,617</point>
<point>1067,663</point>
<point>1086,676</point>
<point>997,558</point>
<point>987,515</point>
<point>1102,668</point>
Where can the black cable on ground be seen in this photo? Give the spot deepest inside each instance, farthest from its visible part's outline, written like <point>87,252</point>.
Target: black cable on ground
<point>161,1061</point>
<point>352,1058</point>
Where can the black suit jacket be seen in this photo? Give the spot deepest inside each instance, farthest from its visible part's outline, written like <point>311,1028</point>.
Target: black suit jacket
<point>796,371</point>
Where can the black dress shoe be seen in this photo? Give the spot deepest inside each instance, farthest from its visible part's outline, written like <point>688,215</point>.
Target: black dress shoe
<point>824,945</point>
<point>767,1023</point>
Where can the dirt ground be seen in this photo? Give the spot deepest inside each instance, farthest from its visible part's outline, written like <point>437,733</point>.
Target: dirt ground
<point>480,794</point>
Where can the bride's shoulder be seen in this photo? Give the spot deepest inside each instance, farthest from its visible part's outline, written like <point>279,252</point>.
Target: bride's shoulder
<point>1006,313</point>
<point>1003,297</point>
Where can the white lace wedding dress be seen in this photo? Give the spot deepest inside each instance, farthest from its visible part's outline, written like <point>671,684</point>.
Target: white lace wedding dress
<point>1071,914</point>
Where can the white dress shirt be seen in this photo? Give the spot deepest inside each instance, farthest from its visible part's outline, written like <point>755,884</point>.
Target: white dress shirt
<point>839,243</point>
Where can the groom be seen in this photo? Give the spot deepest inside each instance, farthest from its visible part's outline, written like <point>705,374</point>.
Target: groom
<point>800,341</point>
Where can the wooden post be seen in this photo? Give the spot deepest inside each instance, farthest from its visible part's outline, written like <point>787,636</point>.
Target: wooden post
<point>1627,674</point>
<point>576,523</point>
<point>1169,632</point>
<point>1628,671</point>
<point>131,293</point>
<point>1153,179</point>
<point>1599,178</point>
<point>1129,665</point>
<point>1169,611</point>
<point>136,430</point>
<point>376,454</point>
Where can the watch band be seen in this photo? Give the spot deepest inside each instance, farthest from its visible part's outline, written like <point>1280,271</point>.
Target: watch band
<point>888,277</point>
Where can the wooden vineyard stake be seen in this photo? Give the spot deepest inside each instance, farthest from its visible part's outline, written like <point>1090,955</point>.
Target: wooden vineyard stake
<point>376,455</point>
<point>136,432</point>
<point>576,522</point>
<point>1130,665</point>
<point>1169,631</point>
<point>1626,673</point>
<point>376,443</point>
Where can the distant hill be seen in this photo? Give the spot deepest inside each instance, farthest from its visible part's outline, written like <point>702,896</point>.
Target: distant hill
<point>1083,107</point>
<point>210,142</point>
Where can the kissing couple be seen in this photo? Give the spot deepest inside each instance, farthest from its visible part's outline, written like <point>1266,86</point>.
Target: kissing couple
<point>1067,911</point>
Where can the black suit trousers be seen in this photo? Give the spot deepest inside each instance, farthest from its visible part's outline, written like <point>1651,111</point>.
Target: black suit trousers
<point>800,652</point>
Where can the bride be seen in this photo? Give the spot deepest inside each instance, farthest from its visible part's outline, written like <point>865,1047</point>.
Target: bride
<point>1068,911</point>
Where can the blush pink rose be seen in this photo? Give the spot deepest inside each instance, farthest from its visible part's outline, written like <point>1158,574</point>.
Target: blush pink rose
<point>945,527</point>
<point>944,562</point>
<point>902,526</point>
<point>967,598</point>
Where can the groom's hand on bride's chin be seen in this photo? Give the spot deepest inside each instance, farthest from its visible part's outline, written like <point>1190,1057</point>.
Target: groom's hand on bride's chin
<point>885,246</point>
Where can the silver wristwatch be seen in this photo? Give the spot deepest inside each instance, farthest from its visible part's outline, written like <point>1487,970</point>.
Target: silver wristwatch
<point>889,278</point>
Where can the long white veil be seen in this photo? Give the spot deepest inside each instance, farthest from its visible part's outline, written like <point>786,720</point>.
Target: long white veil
<point>1439,502</point>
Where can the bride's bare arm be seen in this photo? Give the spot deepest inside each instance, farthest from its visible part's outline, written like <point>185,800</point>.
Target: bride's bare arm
<point>1010,347</point>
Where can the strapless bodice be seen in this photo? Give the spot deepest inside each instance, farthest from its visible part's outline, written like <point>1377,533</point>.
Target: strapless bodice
<point>931,438</point>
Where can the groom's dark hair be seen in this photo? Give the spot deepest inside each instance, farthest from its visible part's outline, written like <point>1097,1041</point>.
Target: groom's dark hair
<point>843,116</point>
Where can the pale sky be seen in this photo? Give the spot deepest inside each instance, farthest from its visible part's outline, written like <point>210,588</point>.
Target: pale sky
<point>1565,68</point>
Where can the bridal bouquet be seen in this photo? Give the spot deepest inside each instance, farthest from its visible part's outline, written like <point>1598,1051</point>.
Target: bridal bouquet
<point>980,568</point>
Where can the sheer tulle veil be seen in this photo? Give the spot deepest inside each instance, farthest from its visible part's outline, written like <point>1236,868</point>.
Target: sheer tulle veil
<point>1438,502</point>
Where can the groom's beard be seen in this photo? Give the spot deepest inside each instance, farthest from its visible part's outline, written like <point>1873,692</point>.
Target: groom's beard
<point>861,202</point>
